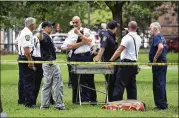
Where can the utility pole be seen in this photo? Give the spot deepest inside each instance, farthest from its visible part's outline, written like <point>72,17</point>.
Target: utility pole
<point>89,15</point>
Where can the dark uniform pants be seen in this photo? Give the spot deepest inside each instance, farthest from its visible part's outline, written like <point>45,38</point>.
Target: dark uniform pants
<point>126,78</point>
<point>26,79</point>
<point>69,73</point>
<point>110,79</point>
<point>38,78</point>
<point>85,79</point>
<point>159,86</point>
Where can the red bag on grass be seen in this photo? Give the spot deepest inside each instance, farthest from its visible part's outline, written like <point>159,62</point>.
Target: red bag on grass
<point>130,105</point>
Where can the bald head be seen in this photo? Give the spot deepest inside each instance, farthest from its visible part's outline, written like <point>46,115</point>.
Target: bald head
<point>132,25</point>
<point>76,22</point>
<point>76,18</point>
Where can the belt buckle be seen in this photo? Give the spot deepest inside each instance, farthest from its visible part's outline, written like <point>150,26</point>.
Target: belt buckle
<point>82,54</point>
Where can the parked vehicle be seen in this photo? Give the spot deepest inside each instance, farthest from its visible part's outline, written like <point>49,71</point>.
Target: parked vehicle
<point>58,40</point>
<point>96,39</point>
<point>173,44</point>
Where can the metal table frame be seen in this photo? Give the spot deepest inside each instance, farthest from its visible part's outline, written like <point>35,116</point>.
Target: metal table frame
<point>91,69</point>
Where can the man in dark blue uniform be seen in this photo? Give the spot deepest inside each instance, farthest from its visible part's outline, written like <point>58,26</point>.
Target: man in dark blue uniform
<point>157,54</point>
<point>108,47</point>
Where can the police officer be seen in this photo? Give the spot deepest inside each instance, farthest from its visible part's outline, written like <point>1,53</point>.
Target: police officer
<point>104,28</point>
<point>26,70</point>
<point>126,75</point>
<point>68,58</point>
<point>52,75</point>
<point>108,47</point>
<point>36,55</point>
<point>80,46</point>
<point>157,54</point>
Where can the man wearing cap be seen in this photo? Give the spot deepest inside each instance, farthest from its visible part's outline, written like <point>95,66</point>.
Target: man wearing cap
<point>108,47</point>
<point>26,70</point>
<point>79,43</point>
<point>52,75</point>
<point>126,75</point>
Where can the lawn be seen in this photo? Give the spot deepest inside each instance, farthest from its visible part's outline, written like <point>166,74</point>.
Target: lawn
<point>9,80</point>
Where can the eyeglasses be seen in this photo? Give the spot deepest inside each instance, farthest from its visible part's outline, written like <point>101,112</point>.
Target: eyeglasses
<point>75,22</point>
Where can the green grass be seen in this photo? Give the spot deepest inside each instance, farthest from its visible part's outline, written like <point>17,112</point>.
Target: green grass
<point>9,80</point>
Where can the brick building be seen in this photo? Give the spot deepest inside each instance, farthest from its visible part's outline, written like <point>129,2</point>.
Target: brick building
<point>169,21</point>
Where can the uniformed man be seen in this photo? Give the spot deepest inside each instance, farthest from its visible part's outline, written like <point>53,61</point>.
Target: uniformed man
<point>26,70</point>
<point>68,58</point>
<point>36,55</point>
<point>52,75</point>
<point>103,30</point>
<point>157,54</point>
<point>108,47</point>
<point>80,46</point>
<point>126,75</point>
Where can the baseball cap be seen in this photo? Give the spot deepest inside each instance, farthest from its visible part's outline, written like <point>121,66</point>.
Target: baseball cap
<point>112,24</point>
<point>47,23</point>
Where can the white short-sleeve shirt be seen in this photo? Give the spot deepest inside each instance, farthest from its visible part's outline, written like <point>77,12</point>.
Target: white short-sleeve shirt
<point>25,40</point>
<point>128,43</point>
<point>36,47</point>
<point>72,38</point>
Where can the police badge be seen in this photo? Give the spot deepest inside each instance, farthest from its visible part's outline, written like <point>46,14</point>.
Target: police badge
<point>104,38</point>
<point>27,37</point>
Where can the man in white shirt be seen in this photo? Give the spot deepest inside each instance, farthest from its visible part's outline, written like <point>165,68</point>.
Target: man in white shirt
<point>26,70</point>
<point>79,42</point>
<point>126,75</point>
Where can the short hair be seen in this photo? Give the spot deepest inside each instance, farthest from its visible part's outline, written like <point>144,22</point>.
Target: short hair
<point>133,25</point>
<point>76,17</point>
<point>29,21</point>
<point>156,25</point>
<point>103,25</point>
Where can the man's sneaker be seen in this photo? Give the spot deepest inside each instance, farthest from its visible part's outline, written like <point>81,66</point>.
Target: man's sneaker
<point>62,108</point>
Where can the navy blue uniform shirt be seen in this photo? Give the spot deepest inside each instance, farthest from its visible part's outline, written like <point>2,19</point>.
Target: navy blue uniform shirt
<point>159,38</point>
<point>47,48</point>
<point>108,42</point>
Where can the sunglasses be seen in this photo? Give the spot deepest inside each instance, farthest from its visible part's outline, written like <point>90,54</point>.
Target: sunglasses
<point>75,22</point>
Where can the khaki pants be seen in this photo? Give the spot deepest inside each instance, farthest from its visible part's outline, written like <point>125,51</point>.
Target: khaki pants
<point>52,83</point>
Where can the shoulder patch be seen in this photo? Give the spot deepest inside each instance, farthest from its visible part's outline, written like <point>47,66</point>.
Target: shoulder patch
<point>27,37</point>
<point>104,38</point>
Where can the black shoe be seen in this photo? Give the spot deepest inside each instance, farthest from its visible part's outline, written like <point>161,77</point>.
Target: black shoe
<point>62,108</point>
<point>93,103</point>
<point>19,102</point>
<point>157,108</point>
<point>32,106</point>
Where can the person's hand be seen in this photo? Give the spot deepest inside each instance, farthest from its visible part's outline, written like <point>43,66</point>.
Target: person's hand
<point>154,60</point>
<point>76,31</point>
<point>31,65</point>
<point>110,66</point>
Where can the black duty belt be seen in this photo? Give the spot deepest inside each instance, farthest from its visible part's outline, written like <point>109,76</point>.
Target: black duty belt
<point>127,60</point>
<point>82,54</point>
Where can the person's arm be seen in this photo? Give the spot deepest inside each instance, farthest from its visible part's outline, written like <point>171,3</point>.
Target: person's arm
<point>28,56</point>
<point>74,45</point>
<point>117,53</point>
<point>84,38</point>
<point>159,51</point>
<point>100,53</point>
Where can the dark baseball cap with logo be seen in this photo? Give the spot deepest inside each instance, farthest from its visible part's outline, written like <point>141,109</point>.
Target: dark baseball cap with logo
<point>112,24</point>
<point>47,23</point>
